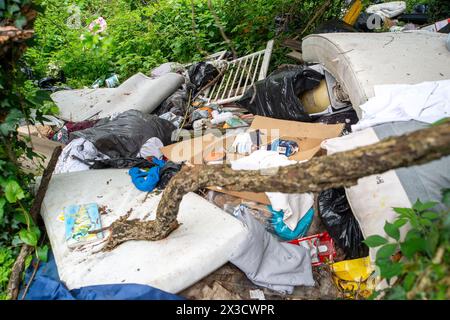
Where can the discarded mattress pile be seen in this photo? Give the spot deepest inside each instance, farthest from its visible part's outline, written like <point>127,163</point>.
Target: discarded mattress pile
<point>123,145</point>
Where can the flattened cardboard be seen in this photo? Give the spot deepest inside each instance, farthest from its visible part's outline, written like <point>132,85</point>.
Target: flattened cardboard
<point>308,136</point>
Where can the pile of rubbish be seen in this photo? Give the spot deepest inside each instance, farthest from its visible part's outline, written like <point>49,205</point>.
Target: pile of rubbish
<point>123,144</point>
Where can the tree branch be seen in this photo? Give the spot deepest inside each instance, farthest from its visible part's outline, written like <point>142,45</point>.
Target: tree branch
<point>338,170</point>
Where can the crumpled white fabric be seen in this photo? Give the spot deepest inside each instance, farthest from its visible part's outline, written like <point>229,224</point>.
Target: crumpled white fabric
<point>294,205</point>
<point>151,148</point>
<point>80,148</point>
<point>426,102</point>
<point>388,9</point>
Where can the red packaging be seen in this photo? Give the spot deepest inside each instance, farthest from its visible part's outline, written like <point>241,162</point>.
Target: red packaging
<point>321,247</point>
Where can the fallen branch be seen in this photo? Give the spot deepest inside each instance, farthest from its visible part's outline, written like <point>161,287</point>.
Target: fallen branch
<point>338,170</point>
<point>19,264</point>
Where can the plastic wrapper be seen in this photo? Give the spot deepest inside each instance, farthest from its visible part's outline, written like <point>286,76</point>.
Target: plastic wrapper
<point>354,277</point>
<point>201,73</point>
<point>124,135</point>
<point>277,96</point>
<point>338,218</point>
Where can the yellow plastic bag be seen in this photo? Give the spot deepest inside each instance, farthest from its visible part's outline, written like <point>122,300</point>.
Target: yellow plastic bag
<point>353,277</point>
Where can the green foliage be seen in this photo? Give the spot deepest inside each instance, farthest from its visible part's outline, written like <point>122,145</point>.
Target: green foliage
<point>141,36</point>
<point>423,272</point>
<point>6,262</point>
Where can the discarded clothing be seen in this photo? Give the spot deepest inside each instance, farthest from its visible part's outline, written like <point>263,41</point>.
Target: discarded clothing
<point>269,263</point>
<point>47,286</point>
<point>167,172</point>
<point>78,149</point>
<point>337,216</point>
<point>151,148</point>
<point>294,205</point>
<point>277,96</point>
<point>425,102</point>
<point>124,135</point>
<point>77,126</point>
<point>284,232</point>
<point>146,180</point>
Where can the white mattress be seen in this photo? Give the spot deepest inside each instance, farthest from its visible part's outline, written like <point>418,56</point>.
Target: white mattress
<point>361,60</point>
<point>202,243</point>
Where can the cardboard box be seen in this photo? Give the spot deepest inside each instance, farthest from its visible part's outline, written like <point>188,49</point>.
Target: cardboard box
<point>309,136</point>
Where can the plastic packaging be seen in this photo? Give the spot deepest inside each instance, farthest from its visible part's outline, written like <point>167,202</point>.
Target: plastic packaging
<point>352,277</point>
<point>321,247</point>
<point>246,142</point>
<point>283,231</point>
<point>282,146</point>
<point>277,96</point>
<point>337,216</point>
<point>220,117</point>
<point>124,136</point>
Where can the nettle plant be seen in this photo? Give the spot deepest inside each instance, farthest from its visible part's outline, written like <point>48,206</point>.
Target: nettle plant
<point>422,272</point>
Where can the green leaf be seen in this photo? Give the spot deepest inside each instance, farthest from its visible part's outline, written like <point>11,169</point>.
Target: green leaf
<point>2,208</point>
<point>386,251</point>
<point>400,222</point>
<point>20,22</point>
<point>396,293</point>
<point>389,269</point>
<point>409,281</point>
<point>42,253</point>
<point>375,241</point>
<point>413,243</point>
<point>29,237</point>
<point>419,206</point>
<point>430,215</point>
<point>392,230</point>
<point>13,191</point>
<point>11,121</point>
<point>431,243</point>
<point>404,212</point>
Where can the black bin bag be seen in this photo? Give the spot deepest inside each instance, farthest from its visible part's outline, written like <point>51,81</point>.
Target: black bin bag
<point>341,224</point>
<point>201,73</point>
<point>277,96</point>
<point>124,135</point>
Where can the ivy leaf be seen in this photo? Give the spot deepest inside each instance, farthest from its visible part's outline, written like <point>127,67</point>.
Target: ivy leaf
<point>2,208</point>
<point>29,237</point>
<point>392,230</point>
<point>20,22</point>
<point>419,206</point>
<point>386,251</point>
<point>13,191</point>
<point>42,253</point>
<point>11,121</point>
<point>375,241</point>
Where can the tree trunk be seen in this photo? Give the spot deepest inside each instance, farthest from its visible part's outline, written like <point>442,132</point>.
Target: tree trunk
<point>321,173</point>
<point>19,264</point>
